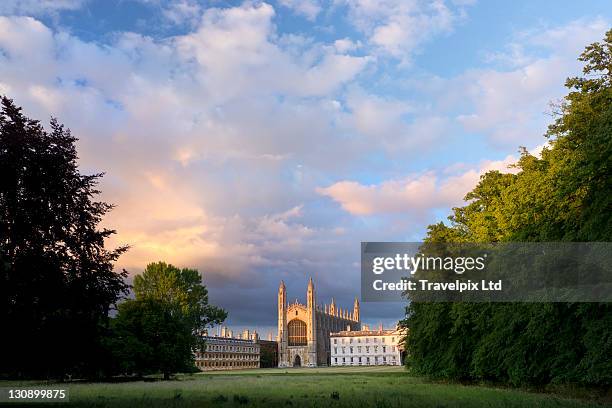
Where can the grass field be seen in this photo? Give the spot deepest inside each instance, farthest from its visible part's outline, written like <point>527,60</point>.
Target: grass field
<point>352,387</point>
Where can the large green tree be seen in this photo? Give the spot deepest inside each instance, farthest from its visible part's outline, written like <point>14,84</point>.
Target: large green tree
<point>148,336</point>
<point>182,289</point>
<point>160,329</point>
<point>564,195</point>
<point>57,281</point>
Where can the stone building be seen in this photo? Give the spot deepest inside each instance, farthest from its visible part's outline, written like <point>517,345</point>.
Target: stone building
<point>228,353</point>
<point>304,330</point>
<point>367,347</point>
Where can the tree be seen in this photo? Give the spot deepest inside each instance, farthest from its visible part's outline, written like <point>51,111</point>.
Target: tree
<point>180,288</point>
<point>564,195</point>
<point>161,328</point>
<point>147,337</point>
<point>57,281</point>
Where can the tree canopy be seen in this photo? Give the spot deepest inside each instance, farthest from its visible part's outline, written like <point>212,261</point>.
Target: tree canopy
<point>57,280</point>
<point>181,288</point>
<point>160,329</point>
<point>563,195</point>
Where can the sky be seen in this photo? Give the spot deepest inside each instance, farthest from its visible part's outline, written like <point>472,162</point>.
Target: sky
<point>259,141</point>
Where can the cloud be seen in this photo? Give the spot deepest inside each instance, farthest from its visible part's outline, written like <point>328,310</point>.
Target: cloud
<point>38,7</point>
<point>417,194</point>
<point>397,28</point>
<point>392,124</point>
<point>236,51</point>
<point>183,12</point>
<point>181,125</point>
<point>345,45</point>
<point>215,141</point>
<point>508,104</point>
<point>307,8</point>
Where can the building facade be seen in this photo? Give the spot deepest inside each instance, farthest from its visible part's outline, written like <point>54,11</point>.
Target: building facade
<point>304,330</point>
<point>227,353</point>
<point>366,347</point>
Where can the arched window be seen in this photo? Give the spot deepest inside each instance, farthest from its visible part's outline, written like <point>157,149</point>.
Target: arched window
<point>297,333</point>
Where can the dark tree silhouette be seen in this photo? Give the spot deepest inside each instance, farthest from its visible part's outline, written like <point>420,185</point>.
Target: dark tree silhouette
<point>57,282</point>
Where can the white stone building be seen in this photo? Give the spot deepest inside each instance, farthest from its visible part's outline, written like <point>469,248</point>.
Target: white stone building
<point>366,347</point>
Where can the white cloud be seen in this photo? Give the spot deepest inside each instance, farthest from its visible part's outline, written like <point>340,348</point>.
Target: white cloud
<point>182,128</point>
<point>398,27</point>
<point>344,45</point>
<point>214,141</point>
<point>395,125</point>
<point>508,104</point>
<point>307,8</point>
<point>236,53</point>
<point>38,7</point>
<point>183,12</point>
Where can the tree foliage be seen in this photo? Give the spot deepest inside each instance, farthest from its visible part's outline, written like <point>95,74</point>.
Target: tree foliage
<point>181,288</point>
<point>160,329</point>
<point>147,337</point>
<point>57,281</point>
<point>564,195</point>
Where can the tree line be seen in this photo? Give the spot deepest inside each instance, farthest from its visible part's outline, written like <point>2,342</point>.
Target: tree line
<point>58,285</point>
<point>563,195</point>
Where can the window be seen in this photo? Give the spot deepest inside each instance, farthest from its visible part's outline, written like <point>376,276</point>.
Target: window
<point>335,341</point>
<point>351,350</point>
<point>297,333</point>
<point>335,350</point>
<point>384,349</point>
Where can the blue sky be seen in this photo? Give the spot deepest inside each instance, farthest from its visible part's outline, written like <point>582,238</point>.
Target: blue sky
<point>260,141</point>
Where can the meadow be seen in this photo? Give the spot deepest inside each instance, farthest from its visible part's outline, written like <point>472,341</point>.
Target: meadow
<point>354,387</point>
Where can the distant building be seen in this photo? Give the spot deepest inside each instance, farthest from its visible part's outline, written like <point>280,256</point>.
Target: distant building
<point>303,330</point>
<point>227,353</point>
<point>226,332</point>
<point>366,347</point>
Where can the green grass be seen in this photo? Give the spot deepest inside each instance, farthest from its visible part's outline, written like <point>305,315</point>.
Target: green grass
<point>352,387</point>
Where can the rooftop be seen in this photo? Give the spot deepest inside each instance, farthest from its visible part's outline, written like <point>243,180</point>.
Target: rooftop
<point>359,333</point>
<point>228,339</point>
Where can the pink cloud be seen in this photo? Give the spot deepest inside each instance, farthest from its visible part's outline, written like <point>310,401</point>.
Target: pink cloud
<point>414,194</point>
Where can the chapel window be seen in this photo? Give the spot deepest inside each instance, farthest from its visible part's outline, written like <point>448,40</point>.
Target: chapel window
<point>297,333</point>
